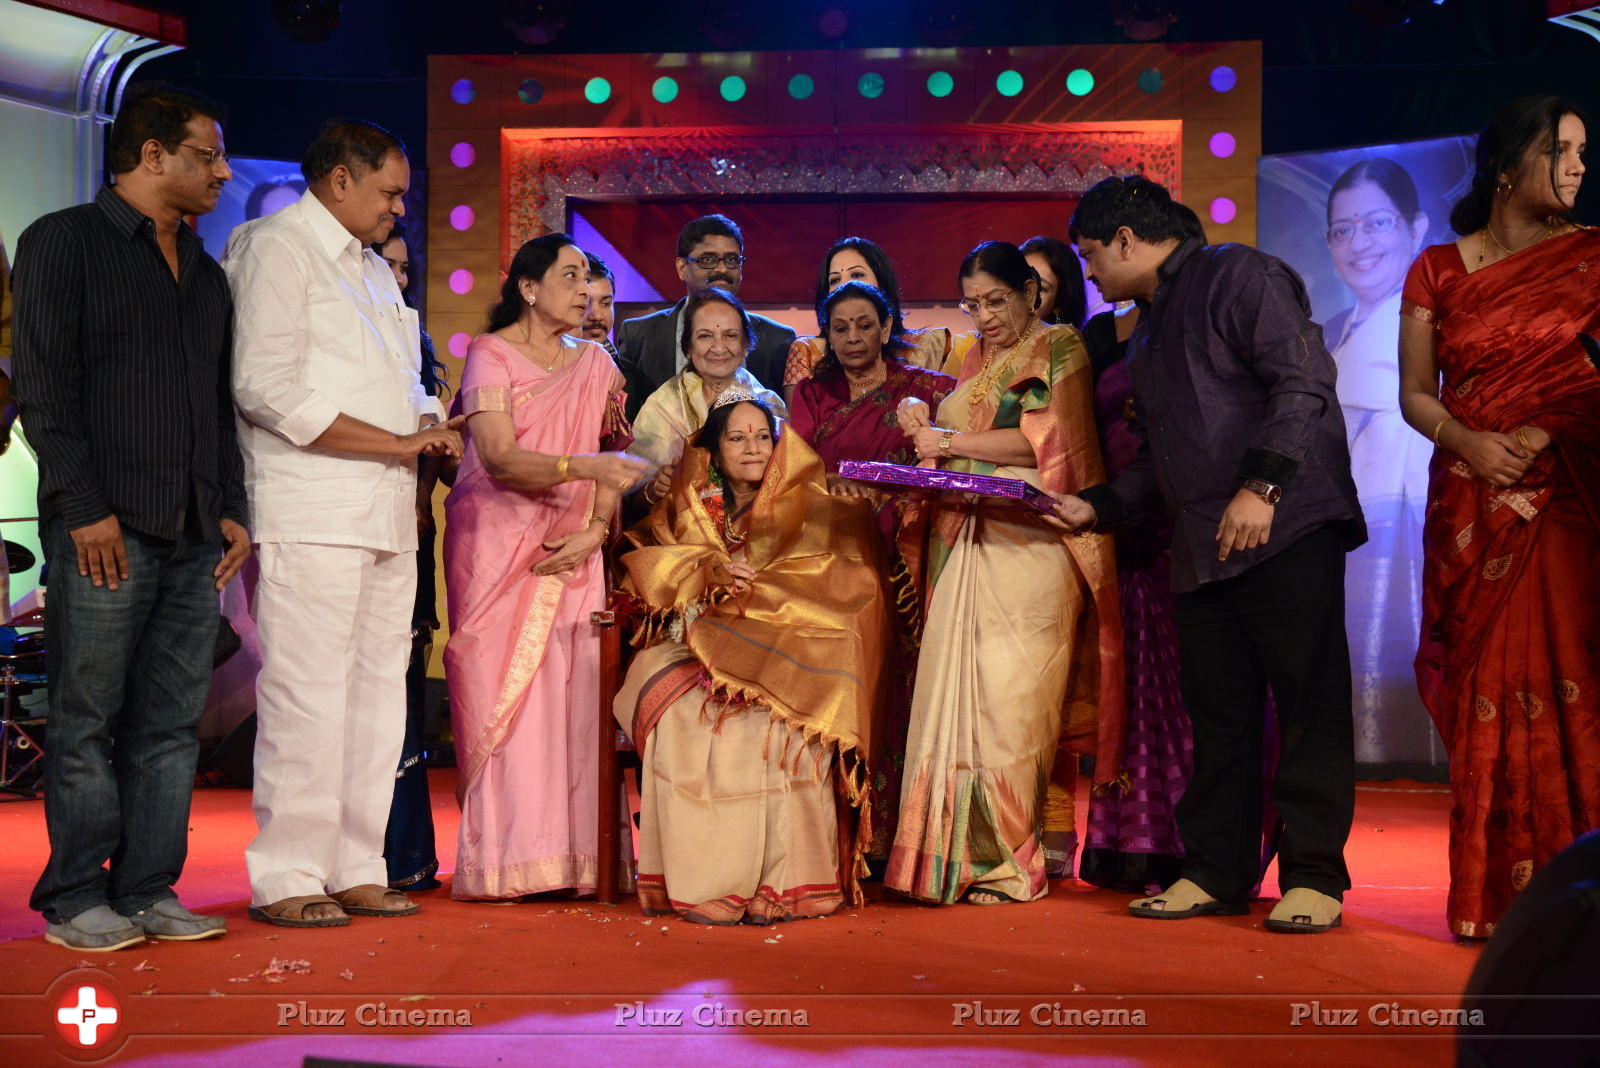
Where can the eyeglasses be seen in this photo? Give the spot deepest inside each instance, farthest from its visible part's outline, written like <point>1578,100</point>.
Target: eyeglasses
<point>212,156</point>
<point>1382,221</point>
<point>732,261</point>
<point>970,308</point>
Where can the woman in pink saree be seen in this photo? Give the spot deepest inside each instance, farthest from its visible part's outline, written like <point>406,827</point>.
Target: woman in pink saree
<point>530,510</point>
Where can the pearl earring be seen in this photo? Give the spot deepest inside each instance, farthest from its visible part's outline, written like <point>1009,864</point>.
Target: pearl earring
<point>530,302</point>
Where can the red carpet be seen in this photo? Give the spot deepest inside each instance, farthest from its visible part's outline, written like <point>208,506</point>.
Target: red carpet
<point>579,983</point>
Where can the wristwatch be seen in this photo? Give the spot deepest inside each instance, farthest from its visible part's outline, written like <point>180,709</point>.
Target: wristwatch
<point>944,442</point>
<point>1265,490</point>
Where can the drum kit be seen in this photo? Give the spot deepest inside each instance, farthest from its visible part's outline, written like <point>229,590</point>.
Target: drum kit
<point>22,673</point>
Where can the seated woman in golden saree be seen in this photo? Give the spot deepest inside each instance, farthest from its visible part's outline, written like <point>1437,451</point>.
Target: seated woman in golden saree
<point>754,697</point>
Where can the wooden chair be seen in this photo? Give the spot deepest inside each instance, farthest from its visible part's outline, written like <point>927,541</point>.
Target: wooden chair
<point>615,750</point>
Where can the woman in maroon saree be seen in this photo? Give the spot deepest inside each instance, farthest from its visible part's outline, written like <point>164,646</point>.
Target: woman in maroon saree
<point>848,410</point>
<point>1508,666</point>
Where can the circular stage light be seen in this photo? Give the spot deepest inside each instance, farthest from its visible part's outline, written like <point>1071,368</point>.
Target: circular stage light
<point>733,88</point>
<point>530,91</point>
<point>801,87</point>
<point>462,217</point>
<point>1223,210</point>
<point>1009,83</point>
<point>940,83</point>
<point>458,345</point>
<point>461,281</point>
<point>1224,79</point>
<point>1080,82</point>
<point>870,85</point>
<point>1152,80</point>
<point>665,89</point>
<point>597,90</point>
<point>1222,144</point>
<point>462,91</point>
<point>463,155</point>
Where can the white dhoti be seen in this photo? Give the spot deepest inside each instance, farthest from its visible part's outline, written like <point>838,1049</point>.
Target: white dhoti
<point>335,626</point>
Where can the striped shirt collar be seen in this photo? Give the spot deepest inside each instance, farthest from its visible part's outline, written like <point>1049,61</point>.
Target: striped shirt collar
<point>128,220</point>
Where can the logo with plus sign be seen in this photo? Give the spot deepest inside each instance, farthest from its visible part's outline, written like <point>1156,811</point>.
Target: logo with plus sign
<point>87,1015</point>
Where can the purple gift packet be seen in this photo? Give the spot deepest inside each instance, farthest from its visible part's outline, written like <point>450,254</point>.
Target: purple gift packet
<point>938,480</point>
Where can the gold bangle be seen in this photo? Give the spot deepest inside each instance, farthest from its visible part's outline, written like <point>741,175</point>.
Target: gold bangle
<point>564,469</point>
<point>1439,427</point>
<point>1522,439</point>
<point>596,517</point>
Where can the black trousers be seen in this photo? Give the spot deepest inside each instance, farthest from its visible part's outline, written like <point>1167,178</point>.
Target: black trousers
<point>1280,624</point>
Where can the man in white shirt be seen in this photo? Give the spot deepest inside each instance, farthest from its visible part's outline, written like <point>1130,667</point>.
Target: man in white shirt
<point>332,416</point>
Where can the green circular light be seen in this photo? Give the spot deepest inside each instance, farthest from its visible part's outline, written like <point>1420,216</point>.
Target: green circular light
<point>1152,80</point>
<point>801,86</point>
<point>597,90</point>
<point>940,83</point>
<point>1008,83</point>
<point>665,90</point>
<point>1080,82</point>
<point>870,85</point>
<point>733,88</point>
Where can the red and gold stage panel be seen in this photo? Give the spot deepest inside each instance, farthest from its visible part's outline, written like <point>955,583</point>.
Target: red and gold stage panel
<point>518,142</point>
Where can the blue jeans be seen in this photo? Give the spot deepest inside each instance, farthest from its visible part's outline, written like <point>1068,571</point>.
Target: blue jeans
<point>129,672</point>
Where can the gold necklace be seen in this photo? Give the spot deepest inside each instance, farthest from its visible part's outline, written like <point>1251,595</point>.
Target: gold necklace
<point>1490,235</point>
<point>533,355</point>
<point>984,382</point>
<point>861,389</point>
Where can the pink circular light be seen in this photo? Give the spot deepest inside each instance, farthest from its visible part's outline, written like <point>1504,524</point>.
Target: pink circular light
<point>461,278</point>
<point>1222,144</point>
<point>462,217</point>
<point>463,155</point>
<point>458,345</point>
<point>1223,210</point>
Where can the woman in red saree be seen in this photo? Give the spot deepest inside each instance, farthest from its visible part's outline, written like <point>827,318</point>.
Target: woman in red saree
<point>848,410</point>
<point>1508,665</point>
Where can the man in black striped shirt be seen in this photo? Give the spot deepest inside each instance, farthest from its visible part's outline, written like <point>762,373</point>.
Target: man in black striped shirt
<point>123,337</point>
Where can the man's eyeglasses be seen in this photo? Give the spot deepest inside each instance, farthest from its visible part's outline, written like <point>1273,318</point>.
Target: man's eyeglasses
<point>970,308</point>
<point>1382,221</point>
<point>710,261</point>
<point>212,156</point>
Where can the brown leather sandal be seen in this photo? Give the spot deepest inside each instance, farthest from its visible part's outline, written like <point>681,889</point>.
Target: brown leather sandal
<point>369,899</point>
<point>291,912</point>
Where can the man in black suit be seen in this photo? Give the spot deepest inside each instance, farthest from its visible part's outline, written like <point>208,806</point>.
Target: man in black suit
<point>710,253</point>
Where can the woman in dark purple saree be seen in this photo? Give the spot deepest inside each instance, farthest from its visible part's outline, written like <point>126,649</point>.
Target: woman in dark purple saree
<point>1133,841</point>
<point>848,410</point>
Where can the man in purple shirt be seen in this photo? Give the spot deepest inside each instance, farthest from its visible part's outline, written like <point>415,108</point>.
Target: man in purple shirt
<point>1244,445</point>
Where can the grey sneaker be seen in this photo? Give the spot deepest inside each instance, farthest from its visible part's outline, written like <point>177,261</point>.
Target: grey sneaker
<point>169,921</point>
<point>100,930</point>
